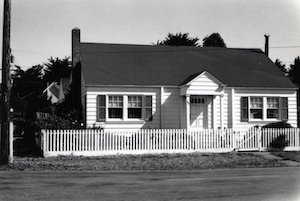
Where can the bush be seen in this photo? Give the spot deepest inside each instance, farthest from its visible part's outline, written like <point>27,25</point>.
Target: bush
<point>281,124</point>
<point>279,143</point>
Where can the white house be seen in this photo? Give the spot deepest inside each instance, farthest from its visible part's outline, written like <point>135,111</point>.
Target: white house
<point>56,92</point>
<point>148,86</point>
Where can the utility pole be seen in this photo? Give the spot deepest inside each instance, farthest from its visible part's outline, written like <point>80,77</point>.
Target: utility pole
<point>5,86</point>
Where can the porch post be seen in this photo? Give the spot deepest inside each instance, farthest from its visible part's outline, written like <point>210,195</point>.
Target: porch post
<point>188,113</point>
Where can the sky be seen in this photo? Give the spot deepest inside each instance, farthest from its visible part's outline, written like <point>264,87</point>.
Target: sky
<point>42,28</point>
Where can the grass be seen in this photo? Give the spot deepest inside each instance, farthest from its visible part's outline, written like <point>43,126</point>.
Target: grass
<point>195,161</point>
<point>288,155</point>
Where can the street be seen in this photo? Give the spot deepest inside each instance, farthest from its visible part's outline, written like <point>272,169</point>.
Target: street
<point>277,184</point>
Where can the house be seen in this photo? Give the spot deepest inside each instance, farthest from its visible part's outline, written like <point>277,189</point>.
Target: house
<point>147,86</point>
<point>56,92</point>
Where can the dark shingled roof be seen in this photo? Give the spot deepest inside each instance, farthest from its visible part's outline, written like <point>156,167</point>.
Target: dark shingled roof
<point>122,64</point>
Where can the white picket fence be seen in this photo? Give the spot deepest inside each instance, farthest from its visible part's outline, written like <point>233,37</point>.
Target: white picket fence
<point>91,142</point>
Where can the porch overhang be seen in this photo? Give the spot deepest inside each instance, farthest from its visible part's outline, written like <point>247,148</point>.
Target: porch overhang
<point>185,91</point>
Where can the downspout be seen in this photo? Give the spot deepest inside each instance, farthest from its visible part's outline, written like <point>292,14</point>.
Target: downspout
<point>232,108</point>
<point>161,108</point>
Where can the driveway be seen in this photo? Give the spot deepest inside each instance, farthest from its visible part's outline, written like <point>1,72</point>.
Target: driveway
<point>224,184</point>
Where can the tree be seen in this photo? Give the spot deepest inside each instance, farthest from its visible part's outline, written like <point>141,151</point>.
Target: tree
<point>57,68</point>
<point>26,99</point>
<point>281,66</point>
<point>179,39</point>
<point>294,72</point>
<point>214,40</point>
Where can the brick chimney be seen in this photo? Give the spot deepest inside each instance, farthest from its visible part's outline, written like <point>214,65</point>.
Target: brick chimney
<point>75,46</point>
<point>267,45</point>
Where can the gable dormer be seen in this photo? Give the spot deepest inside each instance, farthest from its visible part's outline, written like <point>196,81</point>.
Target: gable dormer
<point>202,84</point>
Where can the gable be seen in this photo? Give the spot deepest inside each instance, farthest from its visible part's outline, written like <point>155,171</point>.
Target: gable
<point>202,84</point>
<point>119,64</point>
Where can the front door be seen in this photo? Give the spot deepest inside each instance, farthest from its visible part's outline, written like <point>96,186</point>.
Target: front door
<point>198,112</point>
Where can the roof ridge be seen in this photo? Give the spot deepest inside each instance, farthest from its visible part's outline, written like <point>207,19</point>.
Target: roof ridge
<point>178,48</point>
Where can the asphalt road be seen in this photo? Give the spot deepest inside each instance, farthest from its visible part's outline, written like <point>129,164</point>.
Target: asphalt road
<point>276,184</point>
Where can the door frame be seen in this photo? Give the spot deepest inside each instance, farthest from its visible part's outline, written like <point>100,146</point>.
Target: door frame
<point>197,100</point>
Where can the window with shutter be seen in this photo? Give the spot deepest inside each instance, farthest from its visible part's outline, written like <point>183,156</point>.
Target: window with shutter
<point>244,109</point>
<point>101,108</point>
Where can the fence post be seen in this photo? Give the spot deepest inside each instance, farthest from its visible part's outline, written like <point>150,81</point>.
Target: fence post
<point>297,137</point>
<point>43,142</point>
<point>234,143</point>
<point>260,139</point>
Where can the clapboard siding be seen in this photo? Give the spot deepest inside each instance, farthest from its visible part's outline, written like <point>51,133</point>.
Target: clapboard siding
<point>171,108</point>
<point>210,119</point>
<point>292,105</point>
<point>91,110</point>
<point>203,84</point>
<point>225,111</point>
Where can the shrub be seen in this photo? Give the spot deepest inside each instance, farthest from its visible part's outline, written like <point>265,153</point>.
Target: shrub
<point>279,143</point>
<point>281,124</point>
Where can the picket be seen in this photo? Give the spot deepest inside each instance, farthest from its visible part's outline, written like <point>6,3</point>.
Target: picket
<point>91,142</point>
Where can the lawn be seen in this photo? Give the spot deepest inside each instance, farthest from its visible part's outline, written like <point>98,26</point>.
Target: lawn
<point>288,155</point>
<point>195,161</point>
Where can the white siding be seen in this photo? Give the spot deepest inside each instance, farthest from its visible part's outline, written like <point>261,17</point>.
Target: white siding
<point>210,108</point>
<point>292,105</point>
<point>204,84</point>
<point>171,108</point>
<point>226,108</point>
<point>91,110</point>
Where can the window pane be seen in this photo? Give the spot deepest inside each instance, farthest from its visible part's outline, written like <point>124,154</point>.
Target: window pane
<point>134,101</point>
<point>115,113</point>
<point>256,103</point>
<point>135,113</point>
<point>256,113</point>
<point>273,102</point>
<point>115,101</point>
<point>273,113</point>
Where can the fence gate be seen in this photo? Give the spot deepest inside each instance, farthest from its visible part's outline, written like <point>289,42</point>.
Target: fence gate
<point>248,140</point>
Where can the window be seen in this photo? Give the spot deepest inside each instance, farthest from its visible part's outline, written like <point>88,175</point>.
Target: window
<point>256,108</point>
<point>273,108</point>
<point>115,107</point>
<point>101,103</point>
<point>195,100</point>
<point>135,107</point>
<point>148,108</point>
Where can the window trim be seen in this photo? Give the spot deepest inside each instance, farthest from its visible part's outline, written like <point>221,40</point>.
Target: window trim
<point>127,117</point>
<point>279,114</point>
<point>107,107</point>
<point>249,109</point>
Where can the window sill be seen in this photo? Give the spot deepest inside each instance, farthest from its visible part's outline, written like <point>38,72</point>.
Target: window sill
<point>263,120</point>
<point>121,121</point>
